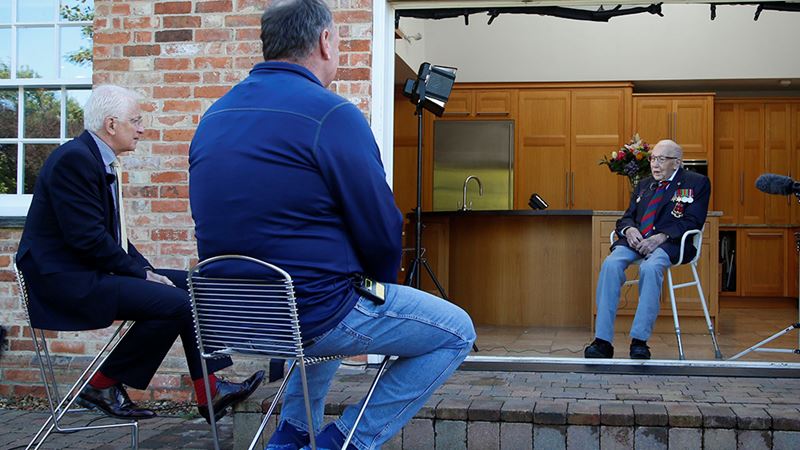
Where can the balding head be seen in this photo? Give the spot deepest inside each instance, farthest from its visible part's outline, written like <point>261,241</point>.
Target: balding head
<point>665,159</point>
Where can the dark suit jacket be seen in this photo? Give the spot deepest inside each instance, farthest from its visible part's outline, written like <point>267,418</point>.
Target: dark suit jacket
<point>70,240</point>
<point>690,216</point>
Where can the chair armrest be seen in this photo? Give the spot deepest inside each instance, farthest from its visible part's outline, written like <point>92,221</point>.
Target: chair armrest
<point>683,244</point>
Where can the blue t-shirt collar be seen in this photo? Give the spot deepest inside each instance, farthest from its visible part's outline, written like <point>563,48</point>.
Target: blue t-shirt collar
<point>285,67</point>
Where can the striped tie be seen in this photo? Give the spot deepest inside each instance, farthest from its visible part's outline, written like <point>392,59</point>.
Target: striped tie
<point>649,218</point>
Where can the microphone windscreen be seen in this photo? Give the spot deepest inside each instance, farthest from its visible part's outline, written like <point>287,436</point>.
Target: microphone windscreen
<point>771,183</point>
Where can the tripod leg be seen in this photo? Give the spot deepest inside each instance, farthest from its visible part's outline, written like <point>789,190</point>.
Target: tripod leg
<point>413,272</point>
<point>440,288</point>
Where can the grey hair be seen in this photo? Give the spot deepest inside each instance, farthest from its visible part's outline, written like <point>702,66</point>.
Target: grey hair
<point>669,144</point>
<point>107,100</point>
<point>290,28</point>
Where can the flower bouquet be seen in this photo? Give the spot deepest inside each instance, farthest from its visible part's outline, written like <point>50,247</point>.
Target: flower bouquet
<point>630,160</point>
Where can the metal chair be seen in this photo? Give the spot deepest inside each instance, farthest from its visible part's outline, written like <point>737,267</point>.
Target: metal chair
<point>60,406</point>
<point>697,240</point>
<point>254,315</point>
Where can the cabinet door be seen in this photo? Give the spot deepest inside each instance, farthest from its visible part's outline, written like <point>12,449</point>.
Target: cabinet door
<point>542,159</point>
<point>777,148</point>
<point>494,103</point>
<point>691,126</point>
<point>726,183</point>
<point>598,125</point>
<point>404,179</point>
<point>652,118</point>
<point>763,262</point>
<point>751,163</point>
<point>795,172</point>
<point>459,104</point>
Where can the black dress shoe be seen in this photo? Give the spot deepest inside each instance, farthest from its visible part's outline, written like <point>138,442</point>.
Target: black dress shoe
<point>113,401</point>
<point>599,348</point>
<point>229,394</point>
<point>639,349</point>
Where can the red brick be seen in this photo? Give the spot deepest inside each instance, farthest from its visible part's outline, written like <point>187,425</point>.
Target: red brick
<point>169,206</point>
<point>181,105</point>
<point>5,260</point>
<point>117,65</point>
<point>119,37</point>
<point>210,91</point>
<point>171,91</point>
<point>74,347</point>
<point>178,249</point>
<point>8,275</point>
<point>171,120</point>
<point>137,22</point>
<point>212,35</point>
<point>248,62</point>
<point>353,74</point>
<point>140,192</point>
<point>212,63</point>
<point>251,20</point>
<point>257,5</point>
<point>181,77</point>
<point>121,9</point>
<point>141,50</point>
<point>142,36</point>
<point>248,34</point>
<point>173,8</point>
<point>355,45</point>
<point>170,149</point>
<point>352,16</point>
<point>214,6</point>
<point>178,135</point>
<point>169,235</point>
<point>174,191</point>
<point>181,22</point>
<point>169,177</point>
<point>171,63</point>
<point>34,390</point>
<point>22,375</point>
<point>174,36</point>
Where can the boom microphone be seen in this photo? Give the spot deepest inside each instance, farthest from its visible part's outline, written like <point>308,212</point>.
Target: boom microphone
<point>771,183</point>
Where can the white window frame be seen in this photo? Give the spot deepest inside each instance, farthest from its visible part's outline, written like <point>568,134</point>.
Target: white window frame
<point>16,205</point>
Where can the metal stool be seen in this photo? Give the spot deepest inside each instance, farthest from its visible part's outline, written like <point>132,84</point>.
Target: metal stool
<point>697,240</point>
<point>255,315</point>
<point>60,406</point>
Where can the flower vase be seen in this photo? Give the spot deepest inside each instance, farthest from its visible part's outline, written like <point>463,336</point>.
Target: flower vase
<point>634,180</point>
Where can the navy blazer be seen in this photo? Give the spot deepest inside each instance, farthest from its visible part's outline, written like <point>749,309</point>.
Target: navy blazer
<point>69,240</point>
<point>673,216</point>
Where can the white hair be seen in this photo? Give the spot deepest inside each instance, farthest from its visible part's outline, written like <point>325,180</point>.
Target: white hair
<point>107,100</point>
<point>669,144</point>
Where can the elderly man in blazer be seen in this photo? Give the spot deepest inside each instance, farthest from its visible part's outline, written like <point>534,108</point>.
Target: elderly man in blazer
<point>83,273</point>
<point>662,208</point>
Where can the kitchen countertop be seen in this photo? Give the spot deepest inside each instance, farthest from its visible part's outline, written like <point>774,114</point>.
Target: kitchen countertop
<point>531,212</point>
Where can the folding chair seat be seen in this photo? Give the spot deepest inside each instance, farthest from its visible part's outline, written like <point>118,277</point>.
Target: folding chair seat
<point>59,405</point>
<point>254,313</point>
<point>697,240</point>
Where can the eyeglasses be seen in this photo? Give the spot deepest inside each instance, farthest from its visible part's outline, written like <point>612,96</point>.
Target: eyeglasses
<point>660,159</point>
<point>135,121</point>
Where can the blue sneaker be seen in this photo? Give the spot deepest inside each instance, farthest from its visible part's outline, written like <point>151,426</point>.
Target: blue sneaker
<point>287,437</point>
<point>330,438</point>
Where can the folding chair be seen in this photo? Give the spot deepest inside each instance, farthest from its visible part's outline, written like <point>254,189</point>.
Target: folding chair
<point>256,315</point>
<point>697,240</point>
<point>60,406</point>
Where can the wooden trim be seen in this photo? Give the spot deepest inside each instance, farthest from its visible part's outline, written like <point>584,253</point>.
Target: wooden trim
<point>542,85</point>
<point>679,94</point>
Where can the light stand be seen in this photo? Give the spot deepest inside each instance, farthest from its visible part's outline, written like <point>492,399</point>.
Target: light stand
<point>790,328</point>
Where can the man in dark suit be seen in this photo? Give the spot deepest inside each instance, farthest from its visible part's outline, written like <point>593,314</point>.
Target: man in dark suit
<point>662,208</point>
<point>83,273</point>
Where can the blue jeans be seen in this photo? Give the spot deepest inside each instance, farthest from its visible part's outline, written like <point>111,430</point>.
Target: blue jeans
<point>430,337</point>
<point>609,285</point>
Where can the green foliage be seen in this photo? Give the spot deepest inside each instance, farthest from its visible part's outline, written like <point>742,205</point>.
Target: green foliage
<point>81,12</point>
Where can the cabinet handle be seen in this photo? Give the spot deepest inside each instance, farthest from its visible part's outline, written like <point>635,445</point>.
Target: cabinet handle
<point>675,126</point>
<point>572,189</point>
<point>789,197</point>
<point>741,188</point>
<point>456,113</point>
<point>492,113</point>
<point>566,189</point>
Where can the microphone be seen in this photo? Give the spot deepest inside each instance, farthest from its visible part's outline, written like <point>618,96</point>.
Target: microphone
<point>771,183</point>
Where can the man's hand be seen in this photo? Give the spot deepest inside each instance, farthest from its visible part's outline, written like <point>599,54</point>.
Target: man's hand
<point>634,237</point>
<point>649,245</point>
<point>154,277</point>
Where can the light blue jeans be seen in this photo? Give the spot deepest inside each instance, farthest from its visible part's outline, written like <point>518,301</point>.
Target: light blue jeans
<point>609,285</point>
<point>430,336</point>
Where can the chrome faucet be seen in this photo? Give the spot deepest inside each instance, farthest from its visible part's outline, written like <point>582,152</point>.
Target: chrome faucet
<point>464,206</point>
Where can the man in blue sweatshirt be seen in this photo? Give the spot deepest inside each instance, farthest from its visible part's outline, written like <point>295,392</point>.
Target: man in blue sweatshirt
<point>284,170</point>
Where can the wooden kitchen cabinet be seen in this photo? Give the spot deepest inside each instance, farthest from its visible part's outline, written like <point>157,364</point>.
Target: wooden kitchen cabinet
<point>480,104</point>
<point>686,119</point>
<point>561,136</point>
<point>763,266</point>
<point>778,159</point>
<point>795,167</point>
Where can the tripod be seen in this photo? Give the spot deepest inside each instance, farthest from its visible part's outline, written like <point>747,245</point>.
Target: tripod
<point>790,328</point>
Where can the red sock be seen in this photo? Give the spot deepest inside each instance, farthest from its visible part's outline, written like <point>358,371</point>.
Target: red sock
<point>100,381</point>
<point>200,388</point>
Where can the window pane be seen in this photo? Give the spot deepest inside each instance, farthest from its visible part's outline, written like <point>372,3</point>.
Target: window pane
<point>42,113</point>
<point>35,155</point>
<point>77,10</point>
<point>76,99</point>
<point>76,53</point>
<point>36,53</point>
<point>8,113</point>
<point>5,11</point>
<point>5,53</point>
<point>8,168</point>
<point>36,10</point>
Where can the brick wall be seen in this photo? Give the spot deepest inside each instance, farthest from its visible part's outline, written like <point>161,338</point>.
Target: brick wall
<point>181,56</point>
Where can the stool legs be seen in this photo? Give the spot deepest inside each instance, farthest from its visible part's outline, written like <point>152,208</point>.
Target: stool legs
<point>696,283</point>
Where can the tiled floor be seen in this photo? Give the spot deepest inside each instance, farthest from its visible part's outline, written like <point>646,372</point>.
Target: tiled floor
<point>742,324</point>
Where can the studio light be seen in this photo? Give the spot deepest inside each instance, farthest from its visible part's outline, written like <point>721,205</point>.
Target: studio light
<point>432,87</point>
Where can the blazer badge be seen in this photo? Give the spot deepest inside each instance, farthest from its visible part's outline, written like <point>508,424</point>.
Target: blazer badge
<point>681,198</point>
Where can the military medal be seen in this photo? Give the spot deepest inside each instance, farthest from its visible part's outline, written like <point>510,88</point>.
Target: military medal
<point>677,211</point>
